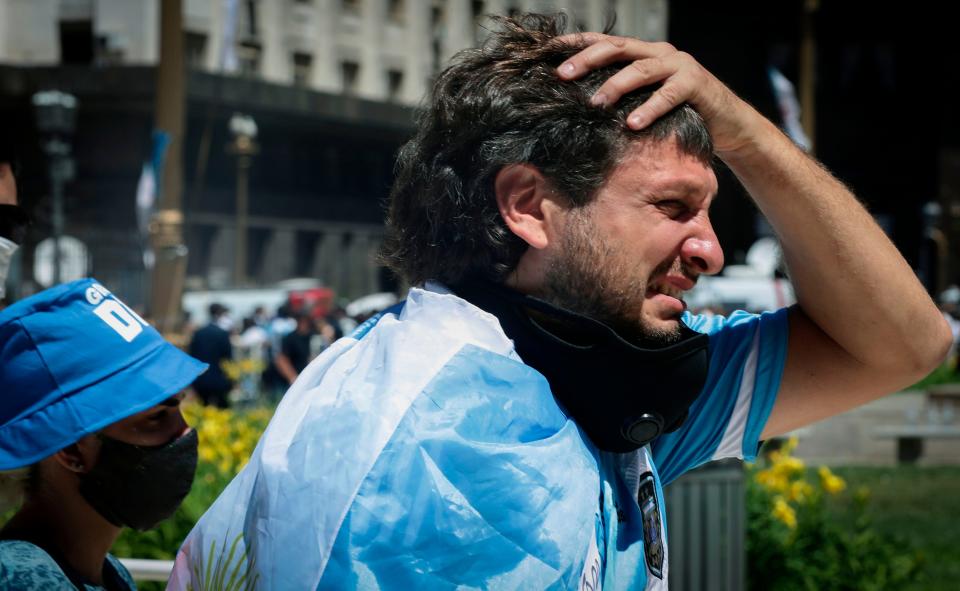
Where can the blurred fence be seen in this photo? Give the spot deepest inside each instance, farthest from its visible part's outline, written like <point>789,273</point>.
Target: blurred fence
<point>142,569</point>
<point>706,528</point>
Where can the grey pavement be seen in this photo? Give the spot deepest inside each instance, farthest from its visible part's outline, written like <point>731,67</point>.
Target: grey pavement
<point>851,439</point>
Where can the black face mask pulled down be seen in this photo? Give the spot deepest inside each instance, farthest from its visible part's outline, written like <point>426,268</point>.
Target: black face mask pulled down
<point>622,395</point>
<point>137,486</point>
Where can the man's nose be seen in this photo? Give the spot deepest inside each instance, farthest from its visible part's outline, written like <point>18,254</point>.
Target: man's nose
<point>702,251</point>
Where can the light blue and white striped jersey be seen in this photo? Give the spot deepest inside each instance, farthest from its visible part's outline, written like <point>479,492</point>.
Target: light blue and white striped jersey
<point>421,453</point>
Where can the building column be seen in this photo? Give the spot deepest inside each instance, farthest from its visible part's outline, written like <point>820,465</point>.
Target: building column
<point>357,264</point>
<point>276,262</point>
<point>5,51</point>
<point>459,27</point>
<point>418,59</point>
<point>596,15</point>
<point>326,67</point>
<point>220,271</point>
<point>497,7</point>
<point>372,82</point>
<point>215,35</point>
<point>646,19</point>
<point>276,65</point>
<point>328,259</point>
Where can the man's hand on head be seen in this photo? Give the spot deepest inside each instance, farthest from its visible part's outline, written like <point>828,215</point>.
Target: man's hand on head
<point>682,79</point>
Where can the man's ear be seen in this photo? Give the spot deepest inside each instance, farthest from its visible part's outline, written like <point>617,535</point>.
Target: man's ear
<point>79,457</point>
<point>527,204</point>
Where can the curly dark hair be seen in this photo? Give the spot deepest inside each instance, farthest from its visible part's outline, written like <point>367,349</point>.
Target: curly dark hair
<point>502,104</point>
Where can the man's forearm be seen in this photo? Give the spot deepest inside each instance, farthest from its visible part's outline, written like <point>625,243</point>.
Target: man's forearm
<point>849,278</point>
<point>285,367</point>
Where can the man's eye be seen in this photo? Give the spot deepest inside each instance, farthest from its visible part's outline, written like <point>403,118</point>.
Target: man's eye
<point>673,207</point>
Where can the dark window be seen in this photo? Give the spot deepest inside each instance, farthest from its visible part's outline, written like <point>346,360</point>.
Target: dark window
<point>302,68</point>
<point>394,84</point>
<point>396,11</point>
<point>195,49</point>
<point>76,42</point>
<point>248,56</point>
<point>350,73</point>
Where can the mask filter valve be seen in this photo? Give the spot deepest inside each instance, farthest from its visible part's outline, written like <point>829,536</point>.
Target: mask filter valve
<point>641,429</point>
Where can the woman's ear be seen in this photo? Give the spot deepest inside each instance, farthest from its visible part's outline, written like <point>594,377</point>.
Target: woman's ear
<point>527,204</point>
<point>79,457</point>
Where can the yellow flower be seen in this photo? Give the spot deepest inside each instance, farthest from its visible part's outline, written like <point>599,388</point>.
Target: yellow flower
<point>788,466</point>
<point>830,482</point>
<point>790,445</point>
<point>773,481</point>
<point>784,513</point>
<point>207,454</point>
<point>800,491</point>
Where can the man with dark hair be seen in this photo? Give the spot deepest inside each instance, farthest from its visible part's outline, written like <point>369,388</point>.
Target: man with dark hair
<point>511,425</point>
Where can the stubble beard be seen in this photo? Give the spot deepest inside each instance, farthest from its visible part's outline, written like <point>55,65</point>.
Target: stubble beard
<point>589,276</point>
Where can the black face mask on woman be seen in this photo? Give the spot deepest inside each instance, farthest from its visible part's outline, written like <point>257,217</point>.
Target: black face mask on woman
<point>137,486</point>
<point>622,395</point>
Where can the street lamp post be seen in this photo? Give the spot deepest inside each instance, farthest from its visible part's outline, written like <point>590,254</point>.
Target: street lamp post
<point>56,114</point>
<point>244,147</point>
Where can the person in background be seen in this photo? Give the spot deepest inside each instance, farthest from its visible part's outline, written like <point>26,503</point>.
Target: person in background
<point>260,317</point>
<point>295,351</point>
<point>282,324</point>
<point>211,344</point>
<point>91,435</point>
<point>13,218</point>
<point>251,346</point>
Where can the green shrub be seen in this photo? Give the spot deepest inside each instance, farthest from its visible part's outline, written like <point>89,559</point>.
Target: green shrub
<point>795,542</point>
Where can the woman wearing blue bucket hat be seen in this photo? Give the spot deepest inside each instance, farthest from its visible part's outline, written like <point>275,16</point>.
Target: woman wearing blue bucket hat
<point>91,430</point>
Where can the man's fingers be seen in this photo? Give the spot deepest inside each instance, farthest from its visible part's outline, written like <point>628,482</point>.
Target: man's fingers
<point>586,36</point>
<point>637,75</point>
<point>607,49</point>
<point>665,99</point>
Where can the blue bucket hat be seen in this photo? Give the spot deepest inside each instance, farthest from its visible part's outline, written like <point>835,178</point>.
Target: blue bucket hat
<point>74,359</point>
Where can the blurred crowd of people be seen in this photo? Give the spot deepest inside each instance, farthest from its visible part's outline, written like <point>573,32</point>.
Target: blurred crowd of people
<point>260,356</point>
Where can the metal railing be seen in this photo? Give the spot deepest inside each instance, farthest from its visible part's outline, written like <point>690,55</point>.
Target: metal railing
<point>706,528</point>
<point>142,569</point>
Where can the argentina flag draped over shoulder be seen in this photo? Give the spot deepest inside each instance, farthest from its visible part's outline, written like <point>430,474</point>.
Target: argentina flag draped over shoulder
<point>422,453</point>
<point>417,453</point>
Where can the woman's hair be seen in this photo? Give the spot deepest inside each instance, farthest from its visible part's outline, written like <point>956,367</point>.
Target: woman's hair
<point>501,104</point>
<point>17,485</point>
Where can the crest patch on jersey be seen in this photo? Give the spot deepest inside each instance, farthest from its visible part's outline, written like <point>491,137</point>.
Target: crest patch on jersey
<point>653,541</point>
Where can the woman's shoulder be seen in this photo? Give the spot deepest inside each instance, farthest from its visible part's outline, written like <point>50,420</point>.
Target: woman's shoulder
<point>27,566</point>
